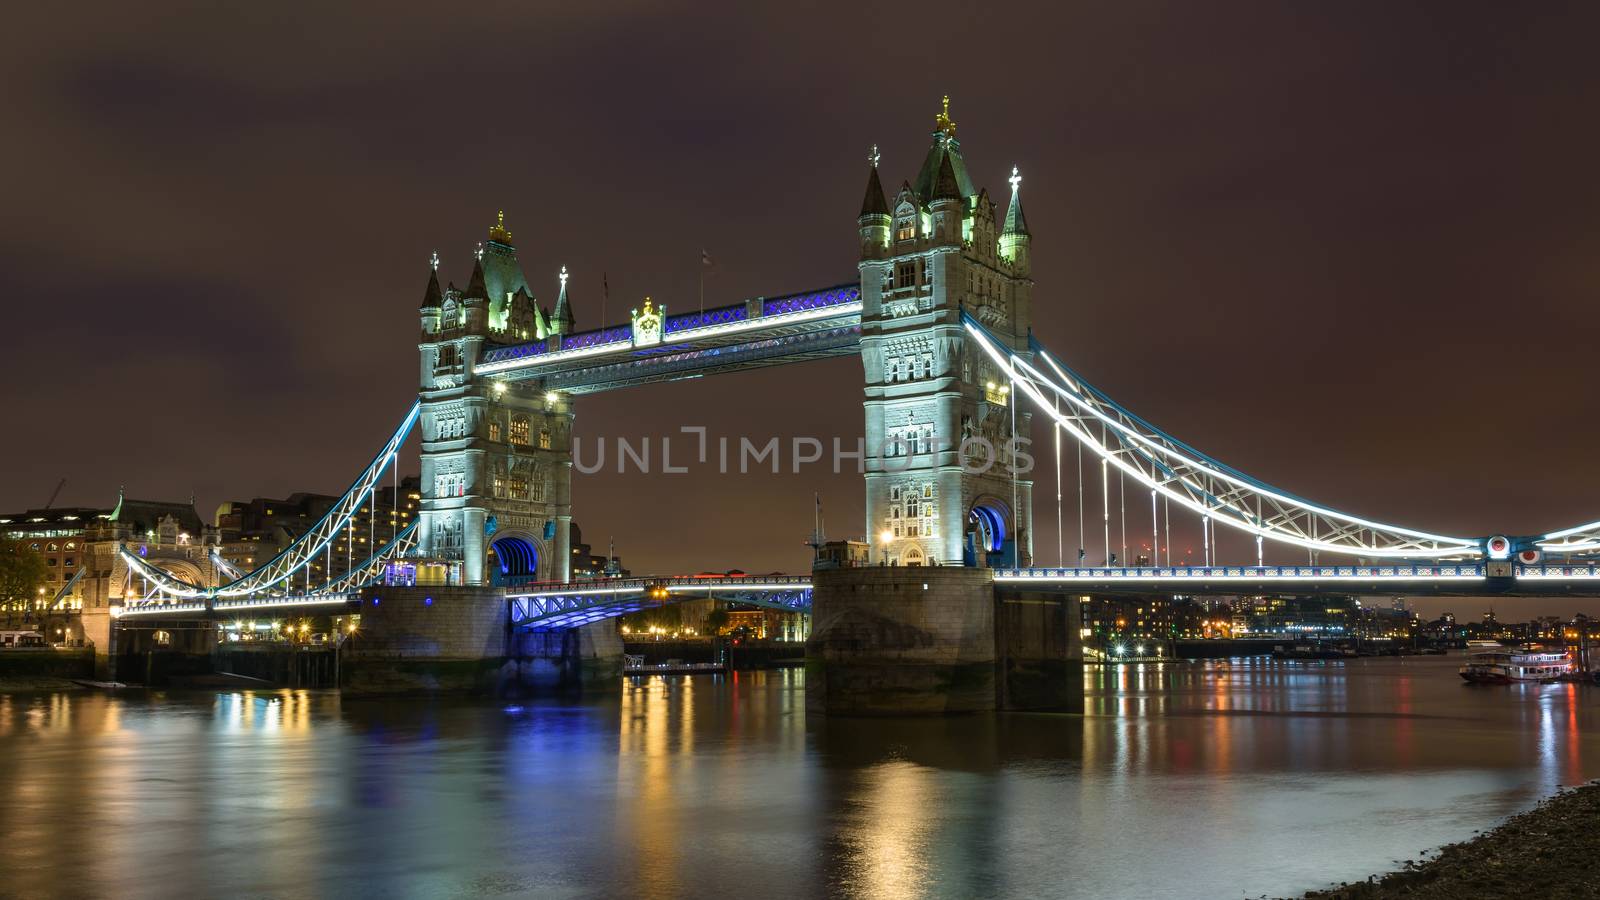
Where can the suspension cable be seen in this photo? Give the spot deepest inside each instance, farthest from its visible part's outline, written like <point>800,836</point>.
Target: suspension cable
<point>1166,512</point>
<point>1055,429</point>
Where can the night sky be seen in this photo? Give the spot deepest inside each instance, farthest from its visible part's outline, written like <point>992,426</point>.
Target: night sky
<point>1352,249</point>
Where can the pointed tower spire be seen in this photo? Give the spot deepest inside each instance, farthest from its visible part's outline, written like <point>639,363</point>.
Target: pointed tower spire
<point>432,296</point>
<point>562,321</point>
<point>945,187</point>
<point>475,286</point>
<point>1015,222</point>
<point>1015,242</point>
<point>874,204</point>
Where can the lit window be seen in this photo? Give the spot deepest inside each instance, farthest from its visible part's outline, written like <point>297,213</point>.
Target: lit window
<point>494,430</point>
<point>544,439</point>
<point>519,430</point>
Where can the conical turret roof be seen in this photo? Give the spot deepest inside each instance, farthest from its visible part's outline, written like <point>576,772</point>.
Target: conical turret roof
<point>432,297</point>
<point>874,204</point>
<point>562,320</point>
<point>946,187</point>
<point>1015,223</point>
<point>475,287</point>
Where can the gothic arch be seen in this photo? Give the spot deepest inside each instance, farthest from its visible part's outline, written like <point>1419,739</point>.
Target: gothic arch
<point>514,553</point>
<point>990,519</point>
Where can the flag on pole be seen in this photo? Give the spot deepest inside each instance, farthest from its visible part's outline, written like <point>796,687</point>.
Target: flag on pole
<point>605,297</point>
<point>705,258</point>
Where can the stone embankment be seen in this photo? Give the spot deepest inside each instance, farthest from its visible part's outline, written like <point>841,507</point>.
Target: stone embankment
<point>1548,852</point>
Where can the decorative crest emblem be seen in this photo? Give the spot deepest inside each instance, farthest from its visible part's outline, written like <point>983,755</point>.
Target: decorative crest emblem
<point>647,324</point>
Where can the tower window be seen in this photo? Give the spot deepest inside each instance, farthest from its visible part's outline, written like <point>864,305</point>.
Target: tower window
<point>494,430</point>
<point>544,439</point>
<point>905,229</point>
<point>519,430</point>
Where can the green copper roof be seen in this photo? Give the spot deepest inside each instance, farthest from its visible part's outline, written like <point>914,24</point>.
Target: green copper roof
<point>475,285</point>
<point>944,147</point>
<point>946,187</point>
<point>502,276</point>
<point>1015,222</point>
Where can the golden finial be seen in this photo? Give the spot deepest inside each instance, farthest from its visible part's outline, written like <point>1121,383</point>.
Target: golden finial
<point>498,232</point>
<point>943,122</point>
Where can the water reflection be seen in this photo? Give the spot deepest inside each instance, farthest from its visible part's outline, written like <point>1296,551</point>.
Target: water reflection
<point>1243,777</point>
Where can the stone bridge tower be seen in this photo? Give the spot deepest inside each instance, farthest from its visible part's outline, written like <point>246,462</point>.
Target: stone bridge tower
<point>496,455</point>
<point>939,415</point>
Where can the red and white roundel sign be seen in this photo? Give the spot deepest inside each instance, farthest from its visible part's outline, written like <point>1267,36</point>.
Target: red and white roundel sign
<point>1529,557</point>
<point>1499,547</point>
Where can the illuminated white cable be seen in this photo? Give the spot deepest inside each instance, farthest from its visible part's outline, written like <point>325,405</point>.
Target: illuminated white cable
<point>1226,511</point>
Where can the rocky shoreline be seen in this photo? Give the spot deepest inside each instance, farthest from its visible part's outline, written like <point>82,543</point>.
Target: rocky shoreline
<point>1548,852</point>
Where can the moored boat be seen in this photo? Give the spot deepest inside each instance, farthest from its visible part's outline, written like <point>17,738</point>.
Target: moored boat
<point>1515,666</point>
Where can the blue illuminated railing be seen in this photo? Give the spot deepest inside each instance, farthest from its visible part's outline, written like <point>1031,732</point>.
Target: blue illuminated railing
<point>793,303</point>
<point>614,335</point>
<point>1465,572</point>
<point>720,316</point>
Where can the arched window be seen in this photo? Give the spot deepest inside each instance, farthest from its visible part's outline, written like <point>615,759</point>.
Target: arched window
<point>52,547</point>
<point>519,487</point>
<point>494,430</point>
<point>544,439</point>
<point>519,430</point>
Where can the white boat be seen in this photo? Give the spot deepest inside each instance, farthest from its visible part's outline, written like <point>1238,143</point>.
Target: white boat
<point>1512,666</point>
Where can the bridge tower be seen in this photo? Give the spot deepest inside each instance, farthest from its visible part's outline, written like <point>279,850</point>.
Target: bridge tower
<point>496,455</point>
<point>939,415</point>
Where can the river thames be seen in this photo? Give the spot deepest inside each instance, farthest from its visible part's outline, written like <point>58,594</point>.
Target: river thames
<point>1226,779</point>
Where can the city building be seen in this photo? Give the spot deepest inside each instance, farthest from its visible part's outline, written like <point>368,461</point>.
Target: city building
<point>57,535</point>
<point>587,564</point>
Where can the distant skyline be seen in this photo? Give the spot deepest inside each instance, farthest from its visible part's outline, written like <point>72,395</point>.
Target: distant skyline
<point>1350,250</point>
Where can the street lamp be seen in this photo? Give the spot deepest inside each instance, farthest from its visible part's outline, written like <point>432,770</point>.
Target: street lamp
<point>886,537</point>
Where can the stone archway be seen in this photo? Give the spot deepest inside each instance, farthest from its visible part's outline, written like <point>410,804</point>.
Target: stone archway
<point>990,525</point>
<point>518,555</point>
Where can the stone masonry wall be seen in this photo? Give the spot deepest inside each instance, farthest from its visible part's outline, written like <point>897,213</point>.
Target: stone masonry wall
<point>901,640</point>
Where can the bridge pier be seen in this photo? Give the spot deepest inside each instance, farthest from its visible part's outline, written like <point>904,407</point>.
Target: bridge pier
<point>98,632</point>
<point>454,638</point>
<point>586,659</point>
<point>893,640</point>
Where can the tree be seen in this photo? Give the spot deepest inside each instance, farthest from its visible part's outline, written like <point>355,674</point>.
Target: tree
<point>716,620</point>
<point>22,575</point>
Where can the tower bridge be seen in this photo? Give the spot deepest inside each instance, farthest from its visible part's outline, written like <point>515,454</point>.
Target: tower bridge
<point>940,315</point>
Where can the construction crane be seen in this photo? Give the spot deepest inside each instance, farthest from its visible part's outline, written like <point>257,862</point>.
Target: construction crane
<point>55,493</point>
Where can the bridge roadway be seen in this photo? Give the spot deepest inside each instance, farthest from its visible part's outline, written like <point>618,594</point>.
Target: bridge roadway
<point>1391,579</point>
<point>815,324</point>
<point>553,605</point>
